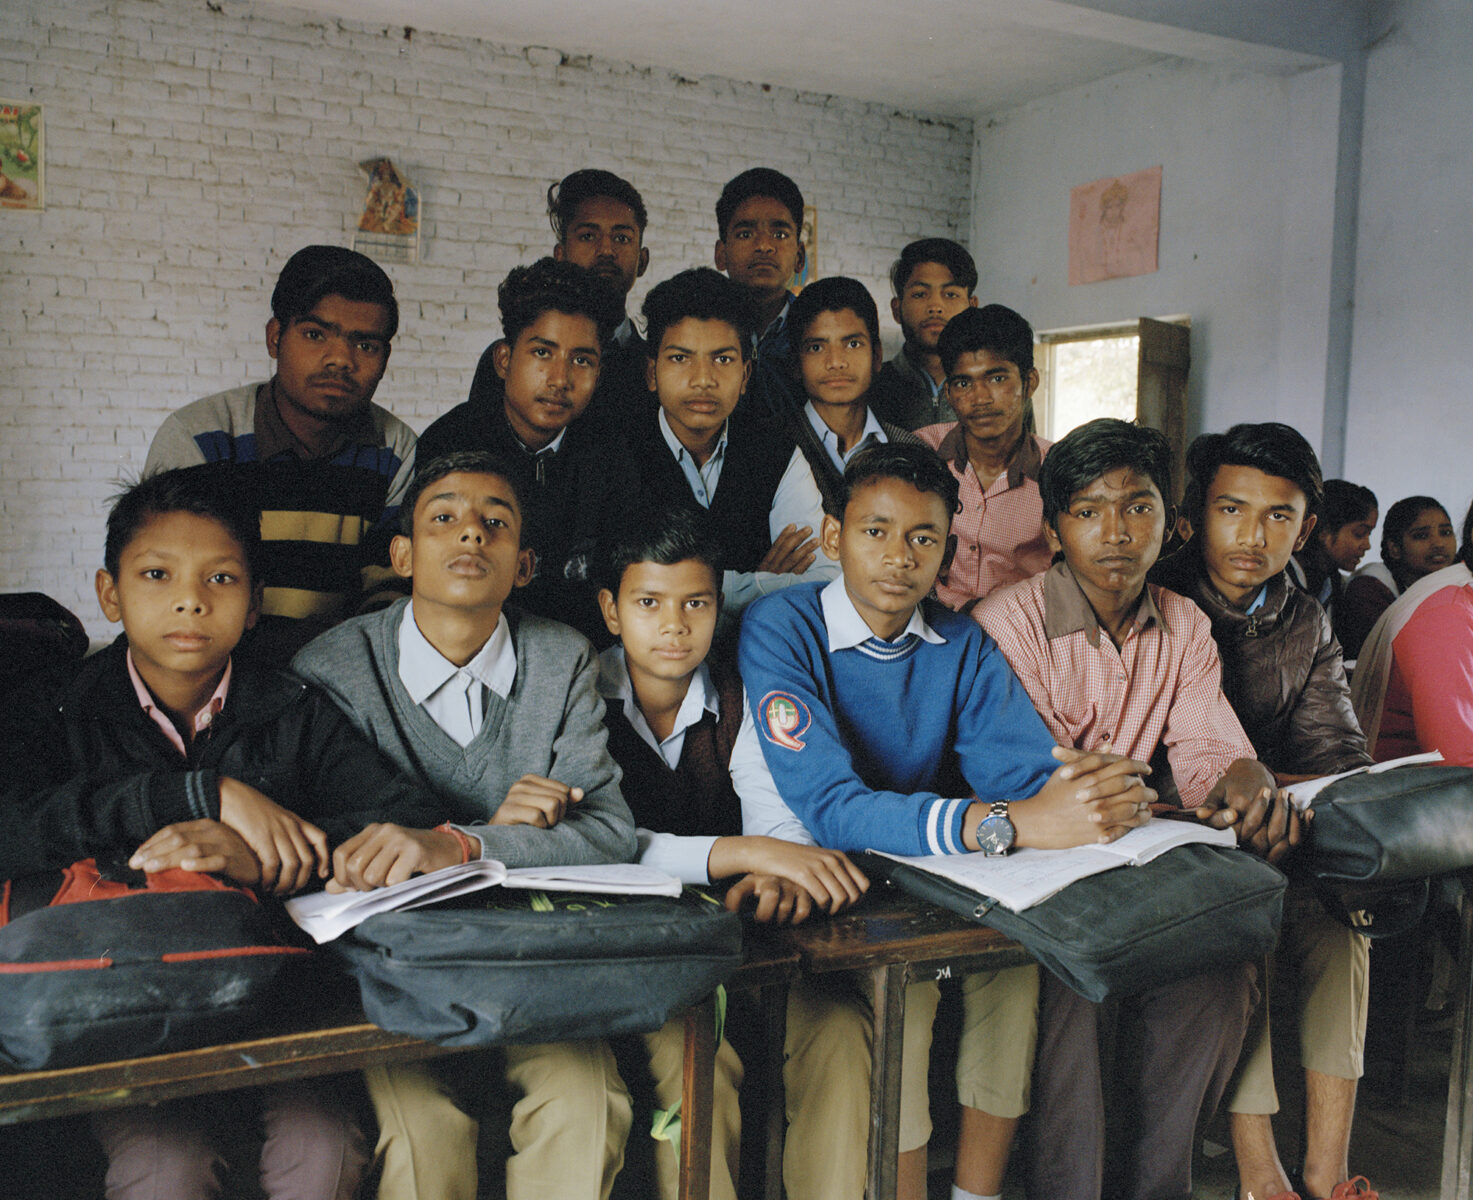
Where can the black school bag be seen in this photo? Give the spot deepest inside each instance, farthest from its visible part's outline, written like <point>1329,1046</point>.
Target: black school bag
<point>529,967</point>
<point>98,965</point>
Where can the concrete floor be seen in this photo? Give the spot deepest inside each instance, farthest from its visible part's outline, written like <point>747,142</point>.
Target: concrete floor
<point>1396,1144</point>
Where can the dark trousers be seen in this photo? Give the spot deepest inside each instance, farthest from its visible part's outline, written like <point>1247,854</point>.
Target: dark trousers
<point>1176,1051</point>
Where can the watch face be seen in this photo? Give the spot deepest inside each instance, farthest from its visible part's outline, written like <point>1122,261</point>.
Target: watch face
<point>995,835</point>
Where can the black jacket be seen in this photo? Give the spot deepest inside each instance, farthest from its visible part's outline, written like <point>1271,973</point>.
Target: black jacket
<point>89,773</point>
<point>1281,671</point>
<point>577,503</point>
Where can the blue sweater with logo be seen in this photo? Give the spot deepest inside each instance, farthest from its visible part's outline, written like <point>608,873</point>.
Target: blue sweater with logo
<point>883,746</point>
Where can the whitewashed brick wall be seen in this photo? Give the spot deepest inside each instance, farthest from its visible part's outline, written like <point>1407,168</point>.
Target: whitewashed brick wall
<point>190,151</point>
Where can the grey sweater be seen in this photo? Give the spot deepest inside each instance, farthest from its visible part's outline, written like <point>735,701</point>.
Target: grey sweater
<point>550,725</point>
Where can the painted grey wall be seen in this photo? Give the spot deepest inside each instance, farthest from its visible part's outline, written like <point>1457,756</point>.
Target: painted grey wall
<point>1247,222</point>
<point>1410,424</point>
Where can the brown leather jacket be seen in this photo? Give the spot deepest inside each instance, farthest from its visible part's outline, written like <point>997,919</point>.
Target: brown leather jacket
<point>1281,671</point>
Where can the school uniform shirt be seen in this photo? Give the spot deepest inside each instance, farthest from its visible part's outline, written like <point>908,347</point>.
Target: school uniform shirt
<point>679,789</point>
<point>998,532</point>
<point>768,486</point>
<point>820,447</point>
<point>455,697</point>
<point>1161,687</point>
<point>857,743</point>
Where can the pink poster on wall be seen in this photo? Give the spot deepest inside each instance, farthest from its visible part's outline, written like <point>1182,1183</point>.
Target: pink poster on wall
<point>1114,225</point>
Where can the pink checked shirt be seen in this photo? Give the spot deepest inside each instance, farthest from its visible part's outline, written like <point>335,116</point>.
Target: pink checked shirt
<point>1162,686</point>
<point>998,532</point>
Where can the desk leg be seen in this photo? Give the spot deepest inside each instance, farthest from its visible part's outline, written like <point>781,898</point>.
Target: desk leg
<point>774,1039</point>
<point>1457,1145</point>
<point>884,1087</point>
<point>696,1102</point>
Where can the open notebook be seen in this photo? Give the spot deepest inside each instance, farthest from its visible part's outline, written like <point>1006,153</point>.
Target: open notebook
<point>326,915</point>
<point>1026,877</point>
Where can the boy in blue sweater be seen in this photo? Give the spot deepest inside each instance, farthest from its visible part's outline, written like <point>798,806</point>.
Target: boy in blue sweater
<point>877,719</point>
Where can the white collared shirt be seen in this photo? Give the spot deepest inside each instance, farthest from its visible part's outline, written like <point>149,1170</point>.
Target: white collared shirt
<point>847,629</point>
<point>454,696</point>
<point>700,697</point>
<point>702,478</point>
<point>796,502</point>
<point>764,812</point>
<point>686,857</point>
<point>830,440</point>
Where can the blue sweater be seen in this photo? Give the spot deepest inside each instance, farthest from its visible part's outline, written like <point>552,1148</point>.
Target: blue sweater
<point>877,747</point>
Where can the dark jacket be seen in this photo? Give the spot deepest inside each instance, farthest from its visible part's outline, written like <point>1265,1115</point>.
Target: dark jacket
<point>757,456</point>
<point>578,502</point>
<point>89,773</point>
<point>1281,671</point>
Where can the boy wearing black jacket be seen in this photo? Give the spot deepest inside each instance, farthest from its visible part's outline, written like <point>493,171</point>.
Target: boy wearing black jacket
<point>163,748</point>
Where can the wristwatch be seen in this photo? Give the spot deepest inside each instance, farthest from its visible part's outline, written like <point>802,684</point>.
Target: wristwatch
<point>995,833</point>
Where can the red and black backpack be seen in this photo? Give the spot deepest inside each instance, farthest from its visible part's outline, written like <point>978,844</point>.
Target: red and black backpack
<point>99,964</point>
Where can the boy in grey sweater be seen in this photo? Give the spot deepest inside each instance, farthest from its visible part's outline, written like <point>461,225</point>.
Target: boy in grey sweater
<point>498,713</point>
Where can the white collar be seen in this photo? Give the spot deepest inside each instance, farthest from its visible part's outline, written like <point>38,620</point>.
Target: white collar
<point>614,684</point>
<point>424,670</point>
<point>552,447</point>
<point>679,450</point>
<point>830,439</point>
<point>847,629</point>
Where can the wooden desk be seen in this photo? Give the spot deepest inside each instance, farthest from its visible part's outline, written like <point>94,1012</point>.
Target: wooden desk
<point>897,940</point>
<point>350,1043</point>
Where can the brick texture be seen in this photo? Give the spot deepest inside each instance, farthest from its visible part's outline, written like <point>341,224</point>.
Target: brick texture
<point>190,151</point>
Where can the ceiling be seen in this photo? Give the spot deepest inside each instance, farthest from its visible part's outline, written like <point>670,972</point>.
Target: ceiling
<point>955,58</point>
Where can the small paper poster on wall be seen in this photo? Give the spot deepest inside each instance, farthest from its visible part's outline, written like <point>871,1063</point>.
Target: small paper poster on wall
<point>388,230</point>
<point>1114,227</point>
<point>22,155</point>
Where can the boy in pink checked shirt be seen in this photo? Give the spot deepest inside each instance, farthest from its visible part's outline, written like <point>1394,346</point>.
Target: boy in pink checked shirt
<point>1111,663</point>
<point>997,534</point>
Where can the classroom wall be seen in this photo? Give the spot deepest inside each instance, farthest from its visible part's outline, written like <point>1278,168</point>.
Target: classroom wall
<point>1247,200</point>
<point>1411,376</point>
<point>190,149</point>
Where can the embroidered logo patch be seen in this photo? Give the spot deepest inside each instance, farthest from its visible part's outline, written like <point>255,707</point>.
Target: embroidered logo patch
<point>785,719</point>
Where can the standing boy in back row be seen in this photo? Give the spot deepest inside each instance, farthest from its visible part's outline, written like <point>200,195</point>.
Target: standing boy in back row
<point>759,219</point>
<point>934,279</point>
<point>326,466</point>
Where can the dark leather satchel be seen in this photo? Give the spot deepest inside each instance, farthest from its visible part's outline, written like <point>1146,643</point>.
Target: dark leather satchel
<point>1124,931</point>
<point>1375,839</point>
<point>495,967</point>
